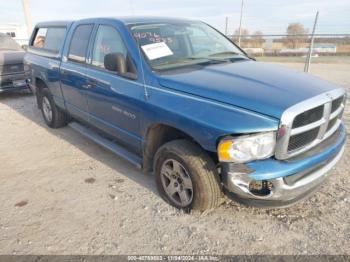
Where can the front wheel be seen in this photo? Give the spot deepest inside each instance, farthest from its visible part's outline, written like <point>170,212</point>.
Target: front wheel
<point>186,177</point>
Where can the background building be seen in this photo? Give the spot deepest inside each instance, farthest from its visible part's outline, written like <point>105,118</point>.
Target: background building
<point>16,31</point>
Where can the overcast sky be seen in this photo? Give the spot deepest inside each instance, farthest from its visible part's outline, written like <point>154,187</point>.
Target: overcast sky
<point>268,16</point>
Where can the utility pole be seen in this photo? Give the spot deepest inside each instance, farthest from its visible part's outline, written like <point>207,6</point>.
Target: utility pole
<point>27,17</point>
<point>132,7</point>
<point>309,55</point>
<point>226,25</point>
<point>240,25</point>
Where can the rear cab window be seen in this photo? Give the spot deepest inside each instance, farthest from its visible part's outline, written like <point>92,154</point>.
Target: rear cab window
<point>49,38</point>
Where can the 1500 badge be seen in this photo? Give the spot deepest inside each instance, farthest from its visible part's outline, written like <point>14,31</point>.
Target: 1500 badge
<point>125,113</point>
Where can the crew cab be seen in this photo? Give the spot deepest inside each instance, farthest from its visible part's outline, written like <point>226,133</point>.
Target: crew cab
<point>177,98</point>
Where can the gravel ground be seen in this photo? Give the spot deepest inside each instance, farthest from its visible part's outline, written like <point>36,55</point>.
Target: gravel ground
<point>63,194</point>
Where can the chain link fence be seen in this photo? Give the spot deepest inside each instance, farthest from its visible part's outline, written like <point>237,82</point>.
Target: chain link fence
<point>327,48</point>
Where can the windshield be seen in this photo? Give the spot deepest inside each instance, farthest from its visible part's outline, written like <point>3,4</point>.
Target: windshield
<point>172,45</point>
<point>7,43</point>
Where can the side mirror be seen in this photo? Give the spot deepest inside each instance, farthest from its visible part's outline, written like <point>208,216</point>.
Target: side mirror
<point>115,62</point>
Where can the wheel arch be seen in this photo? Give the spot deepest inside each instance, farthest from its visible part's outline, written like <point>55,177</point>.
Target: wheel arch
<point>157,135</point>
<point>40,84</point>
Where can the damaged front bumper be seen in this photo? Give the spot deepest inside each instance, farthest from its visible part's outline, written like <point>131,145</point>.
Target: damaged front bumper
<point>274,183</point>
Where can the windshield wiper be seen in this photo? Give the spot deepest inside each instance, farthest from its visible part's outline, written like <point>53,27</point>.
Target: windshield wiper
<point>233,55</point>
<point>225,53</point>
<point>206,60</point>
<point>209,59</point>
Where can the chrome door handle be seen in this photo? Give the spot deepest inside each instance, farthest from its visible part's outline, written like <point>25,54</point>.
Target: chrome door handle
<point>87,86</point>
<point>90,84</point>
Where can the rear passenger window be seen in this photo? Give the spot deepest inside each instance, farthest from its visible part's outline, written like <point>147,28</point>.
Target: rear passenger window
<point>107,41</point>
<point>40,37</point>
<point>79,43</point>
<point>54,38</point>
<point>50,38</point>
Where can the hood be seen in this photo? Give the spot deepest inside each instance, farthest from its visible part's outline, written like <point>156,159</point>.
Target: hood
<point>261,87</point>
<point>11,57</point>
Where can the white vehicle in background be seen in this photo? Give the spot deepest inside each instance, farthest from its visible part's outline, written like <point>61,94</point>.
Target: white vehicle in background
<point>255,51</point>
<point>325,48</point>
<point>318,48</point>
<point>294,51</point>
<point>16,31</point>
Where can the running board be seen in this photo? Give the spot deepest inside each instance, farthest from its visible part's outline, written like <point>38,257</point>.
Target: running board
<point>113,147</point>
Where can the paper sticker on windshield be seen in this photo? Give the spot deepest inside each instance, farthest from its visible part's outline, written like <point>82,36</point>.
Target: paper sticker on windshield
<point>156,50</point>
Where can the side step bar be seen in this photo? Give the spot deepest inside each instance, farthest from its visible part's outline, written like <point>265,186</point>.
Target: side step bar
<point>113,147</point>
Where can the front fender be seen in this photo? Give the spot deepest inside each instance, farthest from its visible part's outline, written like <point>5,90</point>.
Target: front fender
<point>203,119</point>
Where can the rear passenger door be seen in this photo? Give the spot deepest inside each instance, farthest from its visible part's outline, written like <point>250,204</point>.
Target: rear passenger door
<point>73,71</point>
<point>47,42</point>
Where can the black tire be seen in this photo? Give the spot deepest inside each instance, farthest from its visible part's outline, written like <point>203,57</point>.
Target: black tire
<point>58,118</point>
<point>38,98</point>
<point>199,167</point>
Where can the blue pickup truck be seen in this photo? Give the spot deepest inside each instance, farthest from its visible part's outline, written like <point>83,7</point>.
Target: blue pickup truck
<point>177,98</point>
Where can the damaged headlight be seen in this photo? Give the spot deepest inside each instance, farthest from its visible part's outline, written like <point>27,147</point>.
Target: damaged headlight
<point>247,148</point>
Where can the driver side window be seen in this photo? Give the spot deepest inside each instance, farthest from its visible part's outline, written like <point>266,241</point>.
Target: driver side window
<point>107,41</point>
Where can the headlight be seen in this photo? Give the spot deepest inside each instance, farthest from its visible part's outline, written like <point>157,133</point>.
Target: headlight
<point>247,148</point>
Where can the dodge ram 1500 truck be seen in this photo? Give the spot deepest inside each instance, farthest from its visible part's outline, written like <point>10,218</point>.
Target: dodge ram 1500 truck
<point>177,98</point>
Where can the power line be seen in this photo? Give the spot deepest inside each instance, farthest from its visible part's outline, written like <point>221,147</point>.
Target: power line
<point>296,35</point>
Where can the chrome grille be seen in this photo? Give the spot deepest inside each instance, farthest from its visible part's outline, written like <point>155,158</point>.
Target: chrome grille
<point>331,123</point>
<point>308,123</point>
<point>308,117</point>
<point>336,103</point>
<point>302,139</point>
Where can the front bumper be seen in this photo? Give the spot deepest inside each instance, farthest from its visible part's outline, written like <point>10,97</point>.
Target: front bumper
<point>7,82</point>
<point>289,180</point>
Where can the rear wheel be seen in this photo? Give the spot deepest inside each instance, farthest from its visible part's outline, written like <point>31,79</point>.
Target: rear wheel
<point>186,177</point>
<point>53,116</point>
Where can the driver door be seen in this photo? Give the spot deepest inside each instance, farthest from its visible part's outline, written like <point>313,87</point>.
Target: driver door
<point>113,100</point>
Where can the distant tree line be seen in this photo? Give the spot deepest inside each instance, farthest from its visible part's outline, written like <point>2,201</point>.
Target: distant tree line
<point>256,39</point>
<point>296,37</point>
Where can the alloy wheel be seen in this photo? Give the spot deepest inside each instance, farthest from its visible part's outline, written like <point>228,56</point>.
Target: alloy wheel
<point>177,183</point>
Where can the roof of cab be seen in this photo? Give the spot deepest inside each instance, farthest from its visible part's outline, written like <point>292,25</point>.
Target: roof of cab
<point>124,19</point>
<point>150,19</point>
<point>53,23</point>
